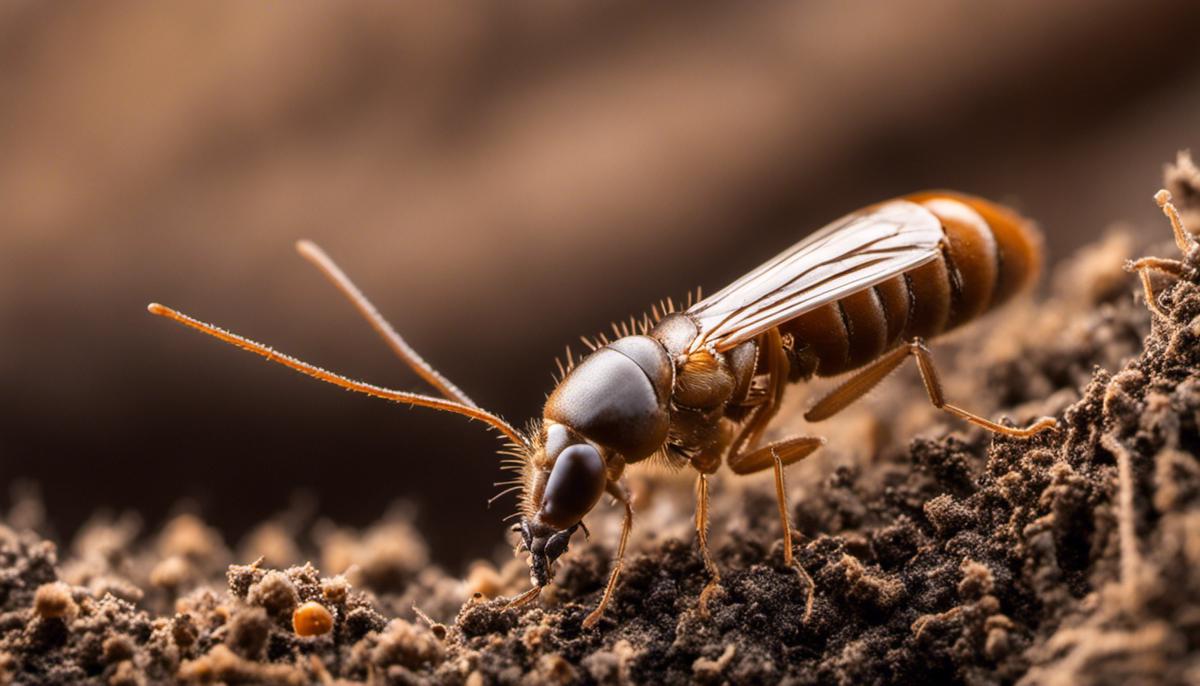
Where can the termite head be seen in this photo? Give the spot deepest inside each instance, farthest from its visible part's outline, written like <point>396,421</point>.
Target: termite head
<point>545,547</point>
<point>611,409</point>
<point>567,482</point>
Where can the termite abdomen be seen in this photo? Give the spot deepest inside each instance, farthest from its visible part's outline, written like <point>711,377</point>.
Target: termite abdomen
<point>1018,245</point>
<point>988,255</point>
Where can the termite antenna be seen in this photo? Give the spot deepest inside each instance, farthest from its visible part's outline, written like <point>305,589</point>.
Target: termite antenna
<point>294,364</point>
<point>314,254</point>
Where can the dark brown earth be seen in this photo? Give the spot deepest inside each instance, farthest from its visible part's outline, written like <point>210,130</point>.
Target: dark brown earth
<point>953,557</point>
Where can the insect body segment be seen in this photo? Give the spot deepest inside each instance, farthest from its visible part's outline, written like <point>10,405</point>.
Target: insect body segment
<point>699,388</point>
<point>978,265</point>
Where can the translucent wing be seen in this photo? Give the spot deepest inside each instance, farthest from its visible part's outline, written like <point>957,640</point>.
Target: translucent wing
<point>853,253</point>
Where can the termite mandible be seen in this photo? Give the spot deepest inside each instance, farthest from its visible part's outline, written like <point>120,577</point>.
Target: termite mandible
<point>698,387</point>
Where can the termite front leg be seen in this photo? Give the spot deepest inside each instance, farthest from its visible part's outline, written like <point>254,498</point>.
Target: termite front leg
<point>860,383</point>
<point>714,574</point>
<point>621,493</point>
<point>778,455</point>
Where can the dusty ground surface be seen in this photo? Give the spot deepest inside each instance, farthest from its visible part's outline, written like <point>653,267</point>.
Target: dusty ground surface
<point>951,557</point>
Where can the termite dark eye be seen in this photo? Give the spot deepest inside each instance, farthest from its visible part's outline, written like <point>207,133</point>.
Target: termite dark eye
<point>575,485</point>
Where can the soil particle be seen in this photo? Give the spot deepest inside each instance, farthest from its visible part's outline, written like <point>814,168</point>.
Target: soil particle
<point>276,594</point>
<point>53,601</point>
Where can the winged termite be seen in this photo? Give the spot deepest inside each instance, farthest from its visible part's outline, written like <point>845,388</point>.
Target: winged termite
<point>698,387</point>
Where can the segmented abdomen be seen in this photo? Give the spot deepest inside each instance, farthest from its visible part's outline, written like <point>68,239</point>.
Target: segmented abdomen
<point>990,254</point>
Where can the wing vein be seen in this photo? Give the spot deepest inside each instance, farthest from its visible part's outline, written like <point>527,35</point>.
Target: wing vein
<point>855,252</point>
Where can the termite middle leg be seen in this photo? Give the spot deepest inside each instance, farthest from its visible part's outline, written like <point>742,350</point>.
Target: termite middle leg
<point>863,381</point>
<point>778,455</point>
<point>777,373</point>
<point>619,492</point>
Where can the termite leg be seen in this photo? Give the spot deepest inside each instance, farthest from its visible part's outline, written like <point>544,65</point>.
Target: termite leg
<point>778,455</point>
<point>781,497</point>
<point>788,451</point>
<point>619,492</point>
<point>777,372</point>
<point>858,385</point>
<point>714,574</point>
<point>524,599</point>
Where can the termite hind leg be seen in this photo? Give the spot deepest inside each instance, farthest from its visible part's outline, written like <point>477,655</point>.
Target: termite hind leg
<point>856,386</point>
<point>863,381</point>
<point>619,492</point>
<point>933,386</point>
<point>714,574</point>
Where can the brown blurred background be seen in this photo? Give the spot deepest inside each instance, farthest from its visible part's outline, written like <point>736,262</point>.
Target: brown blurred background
<point>500,178</point>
